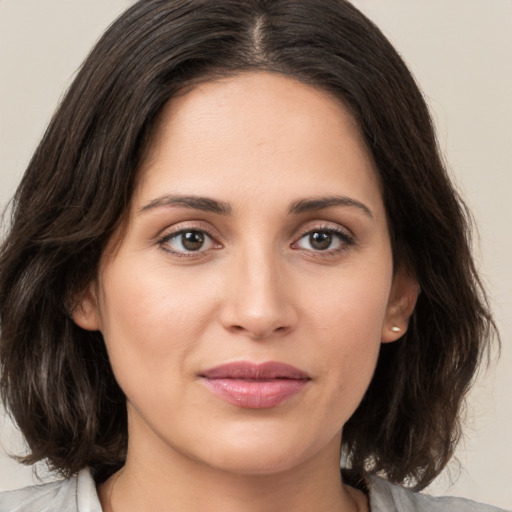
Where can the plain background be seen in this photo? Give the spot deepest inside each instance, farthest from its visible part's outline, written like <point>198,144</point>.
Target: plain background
<point>461,54</point>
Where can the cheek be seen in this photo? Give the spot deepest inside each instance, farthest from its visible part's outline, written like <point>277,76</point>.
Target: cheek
<point>351,305</point>
<point>347,319</point>
<point>151,323</point>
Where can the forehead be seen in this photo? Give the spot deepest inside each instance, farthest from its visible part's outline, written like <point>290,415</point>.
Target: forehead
<point>254,132</point>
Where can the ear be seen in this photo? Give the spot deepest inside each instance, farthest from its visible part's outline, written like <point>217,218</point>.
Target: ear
<point>402,300</point>
<point>85,312</point>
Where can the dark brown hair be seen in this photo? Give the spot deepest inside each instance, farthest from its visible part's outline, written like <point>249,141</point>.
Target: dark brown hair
<point>56,378</point>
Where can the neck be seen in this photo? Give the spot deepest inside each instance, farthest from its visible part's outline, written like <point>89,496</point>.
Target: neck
<point>169,481</point>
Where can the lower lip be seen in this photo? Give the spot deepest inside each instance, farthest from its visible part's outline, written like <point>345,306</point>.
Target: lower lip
<point>255,394</point>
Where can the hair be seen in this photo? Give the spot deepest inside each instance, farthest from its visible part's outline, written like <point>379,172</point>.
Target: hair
<point>56,378</point>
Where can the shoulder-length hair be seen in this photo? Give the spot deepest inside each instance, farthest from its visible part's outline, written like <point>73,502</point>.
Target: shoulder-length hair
<point>56,378</point>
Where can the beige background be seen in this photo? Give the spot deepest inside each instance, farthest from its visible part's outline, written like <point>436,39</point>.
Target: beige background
<point>460,52</point>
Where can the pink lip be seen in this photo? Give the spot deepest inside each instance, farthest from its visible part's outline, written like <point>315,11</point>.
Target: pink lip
<point>255,386</point>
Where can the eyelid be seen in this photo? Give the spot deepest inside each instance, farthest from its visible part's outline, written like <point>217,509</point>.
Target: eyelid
<point>185,227</point>
<point>347,238</point>
<point>345,235</point>
<point>325,226</point>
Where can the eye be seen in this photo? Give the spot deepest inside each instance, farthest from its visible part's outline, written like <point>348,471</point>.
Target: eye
<point>187,241</point>
<point>324,240</point>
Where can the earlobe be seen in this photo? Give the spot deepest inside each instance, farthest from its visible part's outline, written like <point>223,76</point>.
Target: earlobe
<point>85,311</point>
<point>402,300</point>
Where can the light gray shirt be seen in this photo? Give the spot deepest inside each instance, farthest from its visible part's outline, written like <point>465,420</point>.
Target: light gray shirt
<point>78,494</point>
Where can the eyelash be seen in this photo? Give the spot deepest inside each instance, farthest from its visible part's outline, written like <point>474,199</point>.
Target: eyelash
<point>346,241</point>
<point>167,237</point>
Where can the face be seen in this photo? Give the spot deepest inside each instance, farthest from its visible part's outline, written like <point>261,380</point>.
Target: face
<point>244,308</point>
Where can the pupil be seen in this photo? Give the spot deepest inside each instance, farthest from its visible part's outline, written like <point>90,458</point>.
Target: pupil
<point>192,240</point>
<point>320,240</point>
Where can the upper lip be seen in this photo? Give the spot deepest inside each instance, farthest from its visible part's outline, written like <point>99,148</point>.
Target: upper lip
<point>254,371</point>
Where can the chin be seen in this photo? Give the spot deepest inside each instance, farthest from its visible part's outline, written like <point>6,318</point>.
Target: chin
<point>255,463</point>
<point>263,454</point>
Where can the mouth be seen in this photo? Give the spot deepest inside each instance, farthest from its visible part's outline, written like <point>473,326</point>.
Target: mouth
<point>255,386</point>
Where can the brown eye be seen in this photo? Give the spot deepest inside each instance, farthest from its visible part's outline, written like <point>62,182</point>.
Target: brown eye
<point>324,240</point>
<point>320,240</point>
<point>187,241</point>
<point>192,240</point>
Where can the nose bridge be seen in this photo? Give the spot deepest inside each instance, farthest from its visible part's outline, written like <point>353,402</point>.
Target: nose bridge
<point>256,302</point>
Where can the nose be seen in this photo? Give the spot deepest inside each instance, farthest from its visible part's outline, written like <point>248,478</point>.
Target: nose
<point>258,300</point>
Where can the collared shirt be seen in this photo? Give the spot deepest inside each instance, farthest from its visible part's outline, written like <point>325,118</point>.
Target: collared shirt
<point>78,494</point>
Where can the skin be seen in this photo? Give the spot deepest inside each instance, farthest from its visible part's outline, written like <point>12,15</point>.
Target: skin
<point>257,290</point>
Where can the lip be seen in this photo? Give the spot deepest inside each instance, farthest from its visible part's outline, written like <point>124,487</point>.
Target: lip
<point>255,386</point>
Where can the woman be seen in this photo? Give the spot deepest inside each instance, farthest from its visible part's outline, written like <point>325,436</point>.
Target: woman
<point>231,257</point>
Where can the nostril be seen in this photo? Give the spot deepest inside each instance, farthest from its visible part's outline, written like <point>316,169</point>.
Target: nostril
<point>257,333</point>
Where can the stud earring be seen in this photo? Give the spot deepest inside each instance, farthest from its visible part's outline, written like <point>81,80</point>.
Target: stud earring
<point>395,328</point>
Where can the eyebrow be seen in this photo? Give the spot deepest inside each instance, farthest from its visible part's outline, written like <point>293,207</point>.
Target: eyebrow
<point>205,204</point>
<point>320,203</point>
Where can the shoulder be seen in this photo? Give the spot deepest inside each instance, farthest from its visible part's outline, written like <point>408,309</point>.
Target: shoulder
<point>75,494</point>
<point>386,497</point>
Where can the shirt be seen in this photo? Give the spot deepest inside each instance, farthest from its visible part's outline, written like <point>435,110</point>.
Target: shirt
<point>78,494</point>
